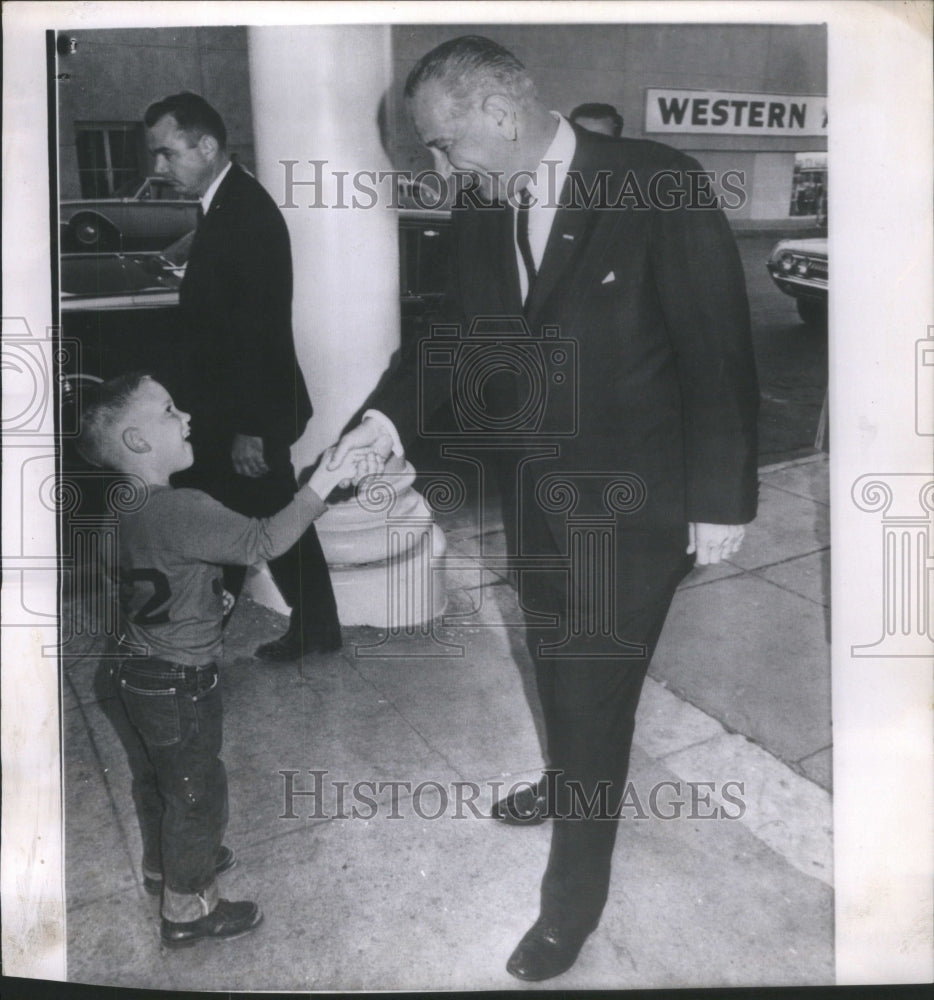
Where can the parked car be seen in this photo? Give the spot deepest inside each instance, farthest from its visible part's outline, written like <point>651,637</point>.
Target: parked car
<point>142,279</point>
<point>148,279</point>
<point>799,269</point>
<point>146,213</point>
<point>137,280</point>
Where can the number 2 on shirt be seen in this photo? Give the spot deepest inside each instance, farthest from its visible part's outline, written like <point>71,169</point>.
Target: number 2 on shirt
<point>148,613</point>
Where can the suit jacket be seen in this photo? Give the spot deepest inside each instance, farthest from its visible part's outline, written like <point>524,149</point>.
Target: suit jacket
<point>651,302</point>
<point>236,303</point>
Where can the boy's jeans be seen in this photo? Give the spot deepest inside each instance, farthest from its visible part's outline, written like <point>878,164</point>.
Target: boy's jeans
<point>179,781</point>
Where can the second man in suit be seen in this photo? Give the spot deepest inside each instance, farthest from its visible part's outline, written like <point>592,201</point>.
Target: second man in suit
<point>240,378</point>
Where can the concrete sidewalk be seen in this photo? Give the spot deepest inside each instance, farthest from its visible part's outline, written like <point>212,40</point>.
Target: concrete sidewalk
<point>413,891</point>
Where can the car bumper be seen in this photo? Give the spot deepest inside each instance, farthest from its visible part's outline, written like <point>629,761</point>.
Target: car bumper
<point>798,287</point>
<point>110,303</point>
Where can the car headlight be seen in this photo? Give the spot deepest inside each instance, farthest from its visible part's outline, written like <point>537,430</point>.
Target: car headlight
<point>786,262</point>
<point>801,267</point>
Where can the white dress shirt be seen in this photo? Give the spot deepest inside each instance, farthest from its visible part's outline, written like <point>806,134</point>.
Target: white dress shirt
<point>208,195</point>
<point>545,188</point>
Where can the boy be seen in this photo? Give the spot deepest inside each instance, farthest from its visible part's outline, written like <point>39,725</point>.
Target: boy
<point>172,606</point>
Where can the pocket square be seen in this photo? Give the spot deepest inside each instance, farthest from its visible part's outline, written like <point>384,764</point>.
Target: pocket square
<point>610,277</point>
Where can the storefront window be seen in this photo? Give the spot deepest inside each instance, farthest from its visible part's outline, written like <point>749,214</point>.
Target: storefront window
<point>809,185</point>
<point>109,155</point>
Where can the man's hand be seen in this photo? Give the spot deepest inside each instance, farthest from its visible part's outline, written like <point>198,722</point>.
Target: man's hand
<point>713,542</point>
<point>247,456</point>
<point>369,435</point>
<point>229,602</point>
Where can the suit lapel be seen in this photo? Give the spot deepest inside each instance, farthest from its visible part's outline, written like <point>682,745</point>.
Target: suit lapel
<point>570,230</point>
<point>215,212</point>
<point>222,195</point>
<point>489,245</point>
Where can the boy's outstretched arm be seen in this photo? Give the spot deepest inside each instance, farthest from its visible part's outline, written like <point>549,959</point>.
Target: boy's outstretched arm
<point>214,533</point>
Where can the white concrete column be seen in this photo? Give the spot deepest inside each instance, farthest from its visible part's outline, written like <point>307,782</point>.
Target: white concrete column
<point>316,93</point>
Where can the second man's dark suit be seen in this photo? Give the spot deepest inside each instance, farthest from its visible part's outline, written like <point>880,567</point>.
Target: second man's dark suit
<point>241,376</point>
<point>652,301</point>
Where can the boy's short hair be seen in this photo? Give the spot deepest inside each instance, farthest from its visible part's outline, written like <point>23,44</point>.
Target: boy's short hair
<point>102,407</point>
<point>193,115</point>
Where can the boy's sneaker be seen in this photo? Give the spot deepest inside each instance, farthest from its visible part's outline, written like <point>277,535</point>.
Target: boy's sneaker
<point>227,920</point>
<point>226,859</point>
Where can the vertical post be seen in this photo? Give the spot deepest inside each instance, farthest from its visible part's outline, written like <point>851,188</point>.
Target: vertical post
<point>317,94</point>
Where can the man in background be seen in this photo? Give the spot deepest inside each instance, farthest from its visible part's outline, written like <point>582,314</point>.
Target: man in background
<point>603,118</point>
<point>240,377</point>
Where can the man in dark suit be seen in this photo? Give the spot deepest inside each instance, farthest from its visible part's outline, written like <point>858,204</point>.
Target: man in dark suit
<point>240,379</point>
<point>612,246</point>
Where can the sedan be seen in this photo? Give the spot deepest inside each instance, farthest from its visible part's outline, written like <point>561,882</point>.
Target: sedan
<point>799,269</point>
<point>144,213</point>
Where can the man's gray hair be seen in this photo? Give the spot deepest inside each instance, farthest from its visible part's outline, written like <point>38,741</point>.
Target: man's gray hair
<point>469,69</point>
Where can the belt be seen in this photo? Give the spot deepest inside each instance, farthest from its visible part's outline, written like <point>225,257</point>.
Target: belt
<point>156,663</point>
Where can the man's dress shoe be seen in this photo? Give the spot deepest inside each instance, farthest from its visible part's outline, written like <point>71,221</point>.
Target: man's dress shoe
<point>226,859</point>
<point>527,806</point>
<point>227,920</point>
<point>546,951</point>
<point>294,645</point>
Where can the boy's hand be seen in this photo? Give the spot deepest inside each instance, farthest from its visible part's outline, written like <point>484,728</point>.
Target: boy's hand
<point>369,464</point>
<point>352,466</point>
<point>370,437</point>
<point>356,464</point>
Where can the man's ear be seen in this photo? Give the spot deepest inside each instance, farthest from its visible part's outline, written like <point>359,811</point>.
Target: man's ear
<point>209,146</point>
<point>135,441</point>
<point>502,111</point>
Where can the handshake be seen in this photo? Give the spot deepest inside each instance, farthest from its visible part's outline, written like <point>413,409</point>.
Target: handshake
<point>361,452</point>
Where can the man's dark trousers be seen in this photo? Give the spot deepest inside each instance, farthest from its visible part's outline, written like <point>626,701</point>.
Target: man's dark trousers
<point>589,707</point>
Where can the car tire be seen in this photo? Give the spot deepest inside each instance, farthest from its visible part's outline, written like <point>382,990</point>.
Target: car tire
<point>812,312</point>
<point>92,234</point>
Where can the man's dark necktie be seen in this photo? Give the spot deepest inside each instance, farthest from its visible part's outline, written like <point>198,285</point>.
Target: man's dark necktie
<point>522,238</point>
<point>200,215</point>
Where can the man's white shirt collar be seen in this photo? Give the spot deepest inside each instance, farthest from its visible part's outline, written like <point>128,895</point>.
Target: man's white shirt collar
<point>545,189</point>
<point>208,195</point>
<point>552,172</point>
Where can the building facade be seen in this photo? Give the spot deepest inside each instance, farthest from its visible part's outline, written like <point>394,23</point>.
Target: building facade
<point>747,101</point>
<point>112,76</point>
<point>658,78</point>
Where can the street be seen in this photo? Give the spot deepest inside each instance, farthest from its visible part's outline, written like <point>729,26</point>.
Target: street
<point>791,358</point>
